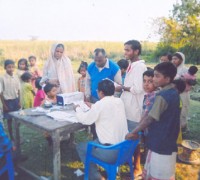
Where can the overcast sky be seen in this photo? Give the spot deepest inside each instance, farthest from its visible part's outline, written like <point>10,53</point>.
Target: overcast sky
<point>100,20</point>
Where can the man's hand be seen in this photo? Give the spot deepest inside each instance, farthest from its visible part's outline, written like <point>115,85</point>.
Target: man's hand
<point>133,136</point>
<point>88,104</point>
<point>75,106</point>
<point>5,108</point>
<point>19,105</point>
<point>118,88</point>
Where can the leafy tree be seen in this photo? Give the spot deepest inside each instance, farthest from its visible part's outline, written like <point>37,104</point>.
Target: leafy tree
<point>181,30</point>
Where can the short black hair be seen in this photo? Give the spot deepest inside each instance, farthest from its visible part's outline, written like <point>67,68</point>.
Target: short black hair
<point>135,45</point>
<point>26,76</point>
<point>149,73</point>
<point>37,83</point>
<point>82,65</point>
<point>32,57</point>
<point>8,62</point>
<point>193,70</point>
<point>167,69</point>
<point>123,63</point>
<point>107,87</point>
<point>99,50</point>
<point>169,55</point>
<point>60,45</point>
<point>180,85</point>
<point>25,61</point>
<point>48,87</point>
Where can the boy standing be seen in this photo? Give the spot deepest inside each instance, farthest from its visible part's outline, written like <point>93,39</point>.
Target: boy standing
<point>123,65</point>
<point>163,122</point>
<point>133,92</point>
<point>111,126</point>
<point>10,92</point>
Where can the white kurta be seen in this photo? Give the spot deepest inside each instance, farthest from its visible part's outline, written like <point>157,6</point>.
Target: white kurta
<point>133,100</point>
<point>108,114</point>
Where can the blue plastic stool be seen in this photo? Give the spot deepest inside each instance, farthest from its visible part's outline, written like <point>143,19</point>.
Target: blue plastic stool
<point>8,166</point>
<point>126,150</point>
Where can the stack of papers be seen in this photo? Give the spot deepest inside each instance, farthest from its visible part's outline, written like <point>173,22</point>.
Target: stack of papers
<point>62,116</point>
<point>82,105</point>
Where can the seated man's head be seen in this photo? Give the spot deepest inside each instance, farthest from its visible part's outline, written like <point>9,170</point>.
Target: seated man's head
<point>100,57</point>
<point>106,88</point>
<point>164,74</point>
<point>148,84</point>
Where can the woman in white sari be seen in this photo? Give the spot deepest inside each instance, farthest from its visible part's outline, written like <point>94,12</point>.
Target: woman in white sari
<point>58,70</point>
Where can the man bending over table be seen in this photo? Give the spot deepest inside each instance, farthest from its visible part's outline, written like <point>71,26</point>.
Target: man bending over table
<point>108,114</point>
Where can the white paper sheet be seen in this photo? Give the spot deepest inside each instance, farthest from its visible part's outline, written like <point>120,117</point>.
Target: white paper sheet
<point>62,116</point>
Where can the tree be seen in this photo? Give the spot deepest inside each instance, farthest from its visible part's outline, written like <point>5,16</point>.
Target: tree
<point>181,30</point>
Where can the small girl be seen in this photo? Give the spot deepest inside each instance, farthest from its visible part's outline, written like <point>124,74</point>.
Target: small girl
<point>22,67</point>
<point>51,92</point>
<point>33,70</point>
<point>82,80</point>
<point>27,91</point>
<point>40,95</point>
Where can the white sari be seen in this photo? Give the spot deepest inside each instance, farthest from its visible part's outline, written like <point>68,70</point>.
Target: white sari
<point>59,72</point>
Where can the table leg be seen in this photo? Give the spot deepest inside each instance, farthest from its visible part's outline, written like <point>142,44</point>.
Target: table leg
<point>56,156</point>
<point>17,137</point>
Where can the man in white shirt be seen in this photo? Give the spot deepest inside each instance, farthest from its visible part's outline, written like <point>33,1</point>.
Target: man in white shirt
<point>133,92</point>
<point>108,114</point>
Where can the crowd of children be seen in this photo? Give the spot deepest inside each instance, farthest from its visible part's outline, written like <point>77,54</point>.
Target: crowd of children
<point>149,97</point>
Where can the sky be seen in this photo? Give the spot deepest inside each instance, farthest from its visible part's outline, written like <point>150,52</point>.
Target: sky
<point>74,20</point>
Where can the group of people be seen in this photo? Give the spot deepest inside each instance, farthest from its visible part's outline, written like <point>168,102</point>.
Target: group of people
<point>124,98</point>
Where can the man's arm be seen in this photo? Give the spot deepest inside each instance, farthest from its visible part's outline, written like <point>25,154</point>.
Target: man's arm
<point>90,116</point>
<point>137,86</point>
<point>142,125</point>
<point>118,77</point>
<point>88,87</point>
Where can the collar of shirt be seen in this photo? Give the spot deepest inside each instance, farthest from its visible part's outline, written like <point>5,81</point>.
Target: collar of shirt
<point>105,66</point>
<point>9,76</point>
<point>169,86</point>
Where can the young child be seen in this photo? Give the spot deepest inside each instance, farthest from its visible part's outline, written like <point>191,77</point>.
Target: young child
<point>178,60</point>
<point>33,70</point>
<point>111,125</point>
<point>51,92</point>
<point>82,80</point>
<point>123,65</point>
<point>27,91</point>
<point>22,67</point>
<point>163,122</point>
<point>190,80</point>
<point>40,94</point>
<point>133,92</point>
<point>166,57</point>
<point>180,86</point>
<point>150,92</point>
<point>10,93</point>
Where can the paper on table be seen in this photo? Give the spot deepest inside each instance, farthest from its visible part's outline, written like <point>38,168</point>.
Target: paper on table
<point>62,116</point>
<point>40,109</point>
<point>82,105</point>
